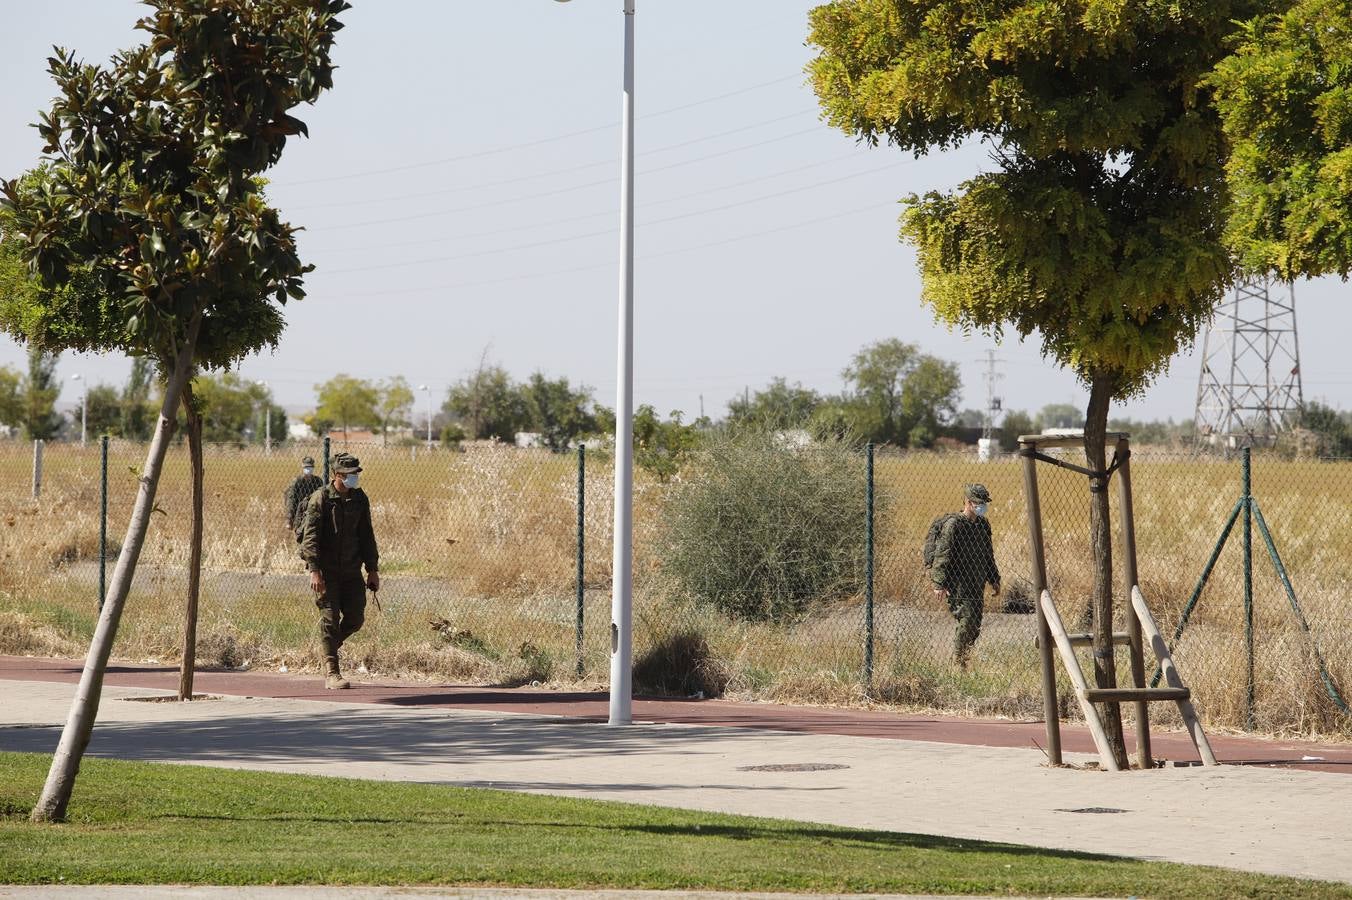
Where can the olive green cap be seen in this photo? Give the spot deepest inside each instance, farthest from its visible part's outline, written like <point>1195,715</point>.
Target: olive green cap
<point>307,461</point>
<point>346,464</point>
<point>977,493</point>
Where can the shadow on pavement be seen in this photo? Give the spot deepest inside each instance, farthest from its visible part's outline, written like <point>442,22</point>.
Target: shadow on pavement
<point>370,737</point>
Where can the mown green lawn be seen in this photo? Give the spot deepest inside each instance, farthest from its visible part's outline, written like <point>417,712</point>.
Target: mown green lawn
<point>155,823</point>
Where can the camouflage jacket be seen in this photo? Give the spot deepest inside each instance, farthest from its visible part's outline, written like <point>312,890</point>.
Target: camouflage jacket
<point>336,535</point>
<point>964,558</point>
<point>295,496</point>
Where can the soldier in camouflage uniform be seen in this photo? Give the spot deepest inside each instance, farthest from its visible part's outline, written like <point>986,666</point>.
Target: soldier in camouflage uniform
<point>336,541</point>
<point>964,562</point>
<point>306,483</point>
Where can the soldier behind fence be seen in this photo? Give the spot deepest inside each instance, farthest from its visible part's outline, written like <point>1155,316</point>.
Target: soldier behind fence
<point>336,541</point>
<point>964,561</point>
<point>306,483</point>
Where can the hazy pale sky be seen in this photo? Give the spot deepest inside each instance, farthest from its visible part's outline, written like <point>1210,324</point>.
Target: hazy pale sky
<point>459,192</point>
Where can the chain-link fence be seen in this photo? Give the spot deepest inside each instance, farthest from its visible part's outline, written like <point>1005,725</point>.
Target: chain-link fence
<point>756,572</point>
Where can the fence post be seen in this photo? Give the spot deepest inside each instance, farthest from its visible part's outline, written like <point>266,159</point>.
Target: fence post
<point>1037,553</point>
<point>37,468</point>
<point>581,545</point>
<point>1249,693</point>
<point>103,520</point>
<point>868,568</point>
<point>326,459</point>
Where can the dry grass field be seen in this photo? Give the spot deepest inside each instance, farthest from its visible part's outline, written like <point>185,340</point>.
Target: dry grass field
<point>483,543</point>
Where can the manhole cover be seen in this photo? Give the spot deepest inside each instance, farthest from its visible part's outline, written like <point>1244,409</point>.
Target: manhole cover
<point>793,767</point>
<point>1096,810</point>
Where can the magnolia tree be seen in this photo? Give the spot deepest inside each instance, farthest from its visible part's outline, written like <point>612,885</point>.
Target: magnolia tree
<point>1099,224</point>
<point>152,187</point>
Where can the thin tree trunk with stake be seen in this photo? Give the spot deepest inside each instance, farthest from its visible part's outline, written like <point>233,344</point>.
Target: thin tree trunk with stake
<point>55,797</point>
<point>188,665</point>
<point>1101,392</point>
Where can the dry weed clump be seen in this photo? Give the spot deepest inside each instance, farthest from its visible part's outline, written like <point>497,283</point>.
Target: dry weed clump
<point>486,541</point>
<point>22,636</point>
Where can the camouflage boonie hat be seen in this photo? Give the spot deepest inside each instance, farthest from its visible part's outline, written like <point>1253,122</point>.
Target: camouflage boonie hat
<point>977,493</point>
<point>307,461</point>
<point>346,464</point>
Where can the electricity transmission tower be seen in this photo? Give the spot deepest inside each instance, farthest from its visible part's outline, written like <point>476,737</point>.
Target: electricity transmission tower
<point>991,377</point>
<point>1249,390</point>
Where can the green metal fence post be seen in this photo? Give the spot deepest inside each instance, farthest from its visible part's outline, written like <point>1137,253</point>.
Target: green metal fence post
<point>868,570</point>
<point>1248,589</point>
<point>103,520</point>
<point>581,545</point>
<point>326,459</point>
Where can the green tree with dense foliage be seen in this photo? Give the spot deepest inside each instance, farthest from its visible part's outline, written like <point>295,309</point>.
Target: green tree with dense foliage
<point>103,410</point>
<point>394,403</point>
<point>153,188</point>
<point>11,397</point>
<point>898,395</point>
<point>1060,415</point>
<point>1014,425</point>
<point>138,407</point>
<point>348,403</point>
<point>489,405</point>
<point>777,406</point>
<point>1099,224</point>
<point>41,387</point>
<point>1285,100</point>
<point>557,411</point>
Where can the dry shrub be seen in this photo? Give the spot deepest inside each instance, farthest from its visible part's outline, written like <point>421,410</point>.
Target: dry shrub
<point>766,529</point>
<point>21,636</point>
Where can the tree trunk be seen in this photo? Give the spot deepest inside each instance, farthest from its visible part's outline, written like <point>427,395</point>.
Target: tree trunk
<point>51,805</point>
<point>187,666</point>
<point>1101,392</point>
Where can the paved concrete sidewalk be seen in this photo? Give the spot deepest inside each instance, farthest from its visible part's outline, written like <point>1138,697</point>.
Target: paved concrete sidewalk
<point>1271,820</point>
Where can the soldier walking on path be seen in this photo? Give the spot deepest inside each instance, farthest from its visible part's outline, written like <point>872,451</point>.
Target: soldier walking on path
<point>336,541</point>
<point>964,562</point>
<point>306,483</point>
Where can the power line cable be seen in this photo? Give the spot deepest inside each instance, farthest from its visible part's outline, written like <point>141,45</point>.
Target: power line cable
<point>522,178</point>
<point>605,265</point>
<point>611,231</point>
<point>558,191</point>
<point>548,223</point>
<point>535,143</point>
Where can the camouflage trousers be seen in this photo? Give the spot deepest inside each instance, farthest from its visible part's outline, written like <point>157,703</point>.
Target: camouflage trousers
<point>342,611</point>
<point>968,612</point>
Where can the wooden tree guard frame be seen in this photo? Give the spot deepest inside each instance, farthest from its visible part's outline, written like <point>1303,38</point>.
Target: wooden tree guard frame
<point>1140,624</point>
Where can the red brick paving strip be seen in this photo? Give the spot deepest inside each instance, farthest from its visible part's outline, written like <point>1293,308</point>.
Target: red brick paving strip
<point>593,707</point>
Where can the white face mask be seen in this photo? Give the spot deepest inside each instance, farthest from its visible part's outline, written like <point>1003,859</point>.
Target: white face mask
<point>308,470</point>
<point>980,509</point>
<point>350,480</point>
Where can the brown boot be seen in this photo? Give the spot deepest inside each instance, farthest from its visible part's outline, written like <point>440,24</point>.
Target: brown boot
<point>333,679</point>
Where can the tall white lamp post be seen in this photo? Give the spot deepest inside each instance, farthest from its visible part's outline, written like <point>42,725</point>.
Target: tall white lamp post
<point>267,419</point>
<point>622,591</point>
<point>427,389</point>
<point>84,407</point>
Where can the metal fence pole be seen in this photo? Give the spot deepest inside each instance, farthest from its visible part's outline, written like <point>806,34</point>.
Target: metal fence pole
<point>581,545</point>
<point>37,469</point>
<point>1249,687</point>
<point>103,520</point>
<point>868,569</point>
<point>326,459</point>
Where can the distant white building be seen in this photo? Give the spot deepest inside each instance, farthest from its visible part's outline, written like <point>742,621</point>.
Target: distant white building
<point>529,440</point>
<point>297,430</point>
